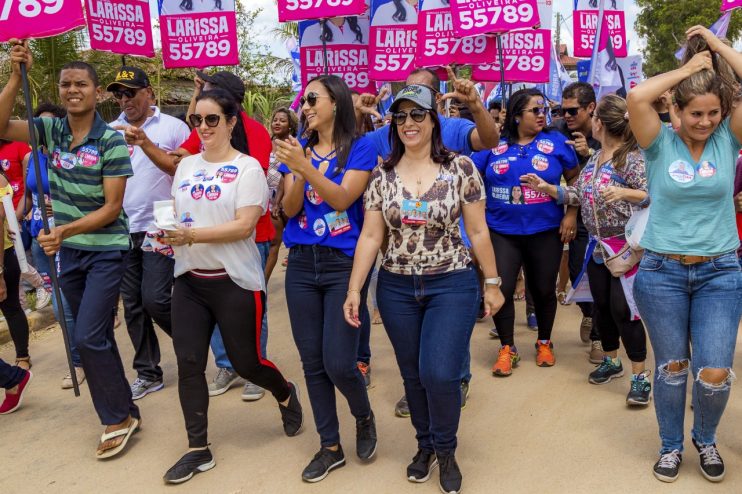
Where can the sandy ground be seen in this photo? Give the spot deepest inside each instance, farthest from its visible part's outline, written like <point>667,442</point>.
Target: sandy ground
<point>541,430</point>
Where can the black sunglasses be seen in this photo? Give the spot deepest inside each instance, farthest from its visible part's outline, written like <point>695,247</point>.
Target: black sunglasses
<point>311,98</point>
<point>212,119</point>
<point>128,92</point>
<point>417,115</point>
<point>536,110</point>
<point>572,112</point>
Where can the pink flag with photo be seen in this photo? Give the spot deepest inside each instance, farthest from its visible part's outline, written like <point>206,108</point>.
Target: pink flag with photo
<point>526,56</point>
<point>24,19</point>
<point>302,10</point>
<point>493,16</point>
<point>585,24</point>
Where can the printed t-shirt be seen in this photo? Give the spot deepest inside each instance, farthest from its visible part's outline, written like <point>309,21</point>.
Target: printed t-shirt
<point>514,208</point>
<point>425,235</point>
<point>209,194</point>
<point>259,147</point>
<point>36,224</point>
<point>456,133</point>
<point>11,162</point>
<point>8,243</point>
<point>692,209</point>
<point>76,179</point>
<point>317,222</point>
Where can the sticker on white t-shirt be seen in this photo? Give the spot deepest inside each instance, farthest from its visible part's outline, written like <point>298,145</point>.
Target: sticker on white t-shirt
<point>338,222</point>
<point>213,192</point>
<point>197,191</point>
<point>540,162</point>
<point>202,176</point>
<point>186,219</point>
<point>320,227</point>
<point>184,185</point>
<point>681,171</point>
<point>706,169</point>
<point>227,174</point>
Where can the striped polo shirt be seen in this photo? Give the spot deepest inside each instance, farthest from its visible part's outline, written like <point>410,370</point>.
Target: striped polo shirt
<point>76,179</point>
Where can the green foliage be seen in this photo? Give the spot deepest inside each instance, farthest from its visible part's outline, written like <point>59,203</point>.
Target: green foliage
<point>662,24</point>
<point>261,103</point>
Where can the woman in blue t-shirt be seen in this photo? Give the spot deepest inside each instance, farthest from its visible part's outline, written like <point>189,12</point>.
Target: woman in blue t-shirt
<point>525,224</point>
<point>689,285</point>
<point>325,177</point>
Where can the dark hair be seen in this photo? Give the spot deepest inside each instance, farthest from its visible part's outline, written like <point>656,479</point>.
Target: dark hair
<point>516,104</point>
<point>47,107</point>
<point>80,65</point>
<point>495,105</point>
<point>401,14</point>
<point>344,126</point>
<point>435,80</point>
<point>582,91</point>
<point>438,152</point>
<point>293,120</point>
<point>352,24</point>
<point>230,108</point>
<point>612,112</point>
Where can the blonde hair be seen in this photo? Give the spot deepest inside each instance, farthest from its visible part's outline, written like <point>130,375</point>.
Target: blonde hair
<point>721,82</point>
<point>612,112</point>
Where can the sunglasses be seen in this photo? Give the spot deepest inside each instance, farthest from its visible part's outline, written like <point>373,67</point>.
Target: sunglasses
<point>538,110</point>
<point>572,112</point>
<point>128,92</point>
<point>212,120</point>
<point>311,98</point>
<point>417,115</point>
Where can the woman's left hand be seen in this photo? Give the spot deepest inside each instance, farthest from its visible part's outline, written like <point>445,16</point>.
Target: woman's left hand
<point>178,237</point>
<point>290,153</point>
<point>568,228</point>
<point>493,300</point>
<point>351,308</point>
<point>613,194</point>
<point>711,39</point>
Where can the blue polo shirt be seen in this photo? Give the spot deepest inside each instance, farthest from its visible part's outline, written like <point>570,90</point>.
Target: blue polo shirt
<point>320,224</point>
<point>456,133</point>
<point>513,208</point>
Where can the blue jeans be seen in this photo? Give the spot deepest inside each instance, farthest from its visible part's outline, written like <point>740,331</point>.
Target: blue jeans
<point>316,286</point>
<point>41,261</point>
<point>217,344</point>
<point>429,320</point>
<point>10,375</point>
<point>699,303</point>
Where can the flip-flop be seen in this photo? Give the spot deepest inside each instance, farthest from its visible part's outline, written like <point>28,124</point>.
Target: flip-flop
<point>127,433</point>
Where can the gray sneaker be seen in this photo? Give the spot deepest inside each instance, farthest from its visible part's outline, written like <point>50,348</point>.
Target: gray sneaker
<point>141,388</point>
<point>402,409</point>
<point>223,380</point>
<point>252,392</point>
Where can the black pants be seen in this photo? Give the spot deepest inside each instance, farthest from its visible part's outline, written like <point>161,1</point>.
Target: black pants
<point>199,304</point>
<point>146,291</point>
<point>613,316</point>
<point>577,248</point>
<point>540,255</point>
<point>11,306</point>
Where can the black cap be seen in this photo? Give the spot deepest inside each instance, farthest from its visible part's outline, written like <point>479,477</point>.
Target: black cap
<point>227,81</point>
<point>131,77</point>
<point>421,95</point>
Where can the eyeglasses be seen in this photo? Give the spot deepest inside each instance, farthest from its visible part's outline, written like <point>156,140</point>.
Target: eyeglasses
<point>212,120</point>
<point>537,110</point>
<point>311,98</point>
<point>417,115</point>
<point>128,92</point>
<point>556,112</point>
<point>572,112</point>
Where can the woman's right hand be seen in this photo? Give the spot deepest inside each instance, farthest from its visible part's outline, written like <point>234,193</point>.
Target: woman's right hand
<point>709,37</point>
<point>351,308</point>
<point>535,182</point>
<point>700,61</point>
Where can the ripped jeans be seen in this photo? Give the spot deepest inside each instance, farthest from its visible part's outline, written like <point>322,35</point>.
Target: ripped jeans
<point>697,305</point>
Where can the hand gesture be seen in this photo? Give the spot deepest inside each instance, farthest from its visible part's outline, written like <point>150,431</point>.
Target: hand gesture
<point>134,136</point>
<point>198,85</point>
<point>464,90</point>
<point>291,154</point>
<point>580,144</point>
<point>534,182</point>
<point>367,103</point>
<point>714,42</point>
<point>351,308</point>
<point>613,194</point>
<point>52,242</point>
<point>179,155</point>
<point>700,61</point>
<point>20,53</point>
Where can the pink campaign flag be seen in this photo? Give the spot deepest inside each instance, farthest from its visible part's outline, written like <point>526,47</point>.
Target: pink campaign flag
<point>393,39</point>
<point>585,24</point>
<point>302,10</point>
<point>39,18</point>
<point>730,4</point>
<point>200,33</point>
<point>526,56</point>
<point>493,16</point>
<point>120,26</point>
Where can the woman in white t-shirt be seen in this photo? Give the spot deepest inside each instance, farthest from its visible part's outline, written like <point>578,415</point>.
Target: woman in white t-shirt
<point>219,196</point>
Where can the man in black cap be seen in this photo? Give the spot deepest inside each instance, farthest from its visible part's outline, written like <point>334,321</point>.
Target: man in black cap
<point>148,278</point>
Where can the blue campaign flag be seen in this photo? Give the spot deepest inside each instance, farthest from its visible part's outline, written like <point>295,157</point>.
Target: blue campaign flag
<point>583,70</point>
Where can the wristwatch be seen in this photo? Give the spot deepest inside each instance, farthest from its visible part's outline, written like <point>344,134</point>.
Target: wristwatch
<point>493,281</point>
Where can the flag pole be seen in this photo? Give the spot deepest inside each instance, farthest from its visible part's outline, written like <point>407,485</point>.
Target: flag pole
<point>596,44</point>
<point>501,57</point>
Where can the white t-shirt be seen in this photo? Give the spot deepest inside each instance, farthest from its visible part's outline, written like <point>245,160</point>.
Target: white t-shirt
<point>209,194</point>
<point>149,183</point>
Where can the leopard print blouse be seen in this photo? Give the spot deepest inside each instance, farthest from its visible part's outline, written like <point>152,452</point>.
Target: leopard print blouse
<point>430,242</point>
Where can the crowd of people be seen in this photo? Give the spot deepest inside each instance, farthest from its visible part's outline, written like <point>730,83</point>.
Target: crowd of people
<point>445,217</point>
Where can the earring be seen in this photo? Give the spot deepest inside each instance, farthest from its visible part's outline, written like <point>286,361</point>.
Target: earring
<point>334,110</point>
<point>517,121</point>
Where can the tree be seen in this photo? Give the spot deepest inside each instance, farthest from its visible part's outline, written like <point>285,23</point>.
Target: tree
<point>662,24</point>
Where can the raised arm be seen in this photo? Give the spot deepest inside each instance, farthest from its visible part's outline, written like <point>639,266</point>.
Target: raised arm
<point>486,135</point>
<point>15,130</point>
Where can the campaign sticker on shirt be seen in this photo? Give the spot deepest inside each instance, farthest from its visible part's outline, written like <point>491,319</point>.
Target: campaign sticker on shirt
<point>706,169</point>
<point>303,221</point>
<point>184,185</point>
<point>202,175</point>
<point>213,192</point>
<point>312,196</point>
<point>88,156</point>
<point>681,171</point>
<point>338,222</point>
<point>540,162</point>
<point>414,212</point>
<point>545,146</point>
<point>5,165</point>
<point>320,227</point>
<point>67,161</point>
<point>501,148</point>
<point>516,195</point>
<point>227,173</point>
<point>501,166</point>
<point>500,193</point>
<point>532,196</point>
<point>197,191</point>
<point>186,219</point>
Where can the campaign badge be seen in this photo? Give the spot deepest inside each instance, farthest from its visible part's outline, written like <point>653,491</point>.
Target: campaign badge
<point>706,169</point>
<point>414,212</point>
<point>681,171</point>
<point>501,148</point>
<point>213,192</point>
<point>501,166</point>
<point>5,165</point>
<point>540,162</point>
<point>88,156</point>
<point>227,174</point>
<point>338,222</point>
<point>197,191</point>
<point>545,146</point>
<point>199,175</point>
<point>320,227</point>
<point>313,196</point>
<point>184,185</point>
<point>303,221</point>
<point>67,161</point>
<point>186,219</point>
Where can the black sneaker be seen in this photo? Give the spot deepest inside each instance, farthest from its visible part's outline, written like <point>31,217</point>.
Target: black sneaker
<point>606,371</point>
<point>190,464</point>
<point>366,437</point>
<point>322,464</point>
<point>712,466</point>
<point>422,466</point>
<point>667,467</point>
<point>450,475</point>
<point>291,414</point>
<point>641,390</point>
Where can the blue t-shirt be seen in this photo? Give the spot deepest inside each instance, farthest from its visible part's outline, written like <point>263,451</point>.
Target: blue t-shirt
<point>318,223</point>
<point>456,133</point>
<point>513,208</point>
<point>692,209</point>
<point>36,224</point>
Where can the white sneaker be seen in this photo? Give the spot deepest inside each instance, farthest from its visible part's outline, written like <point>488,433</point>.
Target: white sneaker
<point>67,381</point>
<point>43,298</point>
<point>252,392</point>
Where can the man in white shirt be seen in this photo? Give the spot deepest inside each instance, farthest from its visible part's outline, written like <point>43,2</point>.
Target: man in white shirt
<point>148,278</point>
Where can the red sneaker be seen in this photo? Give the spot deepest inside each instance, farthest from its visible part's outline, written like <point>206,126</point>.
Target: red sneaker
<point>13,401</point>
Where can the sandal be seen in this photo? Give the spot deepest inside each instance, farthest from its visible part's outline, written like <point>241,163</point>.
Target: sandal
<point>126,432</point>
<point>22,360</point>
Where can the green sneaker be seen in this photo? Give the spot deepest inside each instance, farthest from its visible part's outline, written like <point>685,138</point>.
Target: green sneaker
<point>606,371</point>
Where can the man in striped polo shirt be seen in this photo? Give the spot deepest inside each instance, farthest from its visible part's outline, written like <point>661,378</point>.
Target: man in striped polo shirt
<point>88,169</point>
